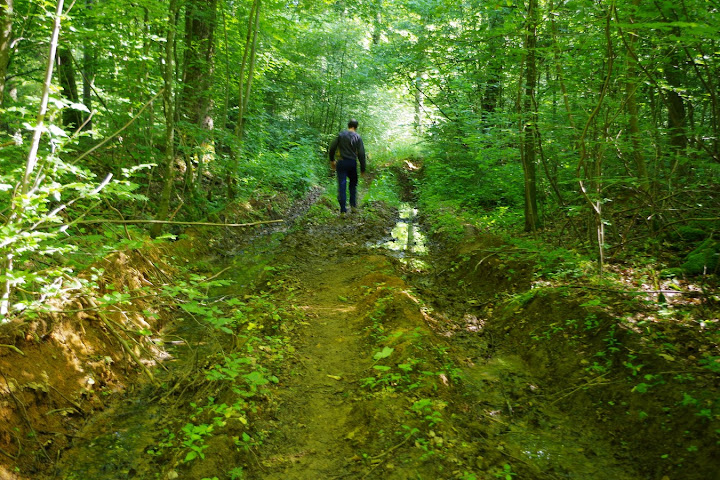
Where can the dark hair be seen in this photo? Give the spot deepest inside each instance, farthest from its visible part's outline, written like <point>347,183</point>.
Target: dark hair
<point>352,123</point>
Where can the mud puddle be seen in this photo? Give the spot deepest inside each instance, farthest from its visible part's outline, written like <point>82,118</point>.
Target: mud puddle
<point>407,241</point>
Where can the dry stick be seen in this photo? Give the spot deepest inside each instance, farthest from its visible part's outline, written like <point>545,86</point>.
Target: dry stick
<point>483,259</point>
<point>593,382</point>
<point>168,222</point>
<point>182,202</point>
<point>219,273</point>
<point>7,454</point>
<point>387,452</point>
<point>127,234</point>
<point>74,404</point>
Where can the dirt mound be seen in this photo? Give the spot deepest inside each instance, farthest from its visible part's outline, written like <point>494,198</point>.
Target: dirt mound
<point>611,362</point>
<point>63,367</point>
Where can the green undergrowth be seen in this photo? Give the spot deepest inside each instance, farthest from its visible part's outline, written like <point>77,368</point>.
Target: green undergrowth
<point>645,372</point>
<point>416,383</point>
<point>212,410</point>
<point>628,352</point>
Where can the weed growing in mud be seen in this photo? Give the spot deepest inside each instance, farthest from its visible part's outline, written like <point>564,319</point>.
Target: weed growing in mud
<point>429,410</point>
<point>237,473</point>
<point>195,440</point>
<point>239,376</point>
<point>506,473</point>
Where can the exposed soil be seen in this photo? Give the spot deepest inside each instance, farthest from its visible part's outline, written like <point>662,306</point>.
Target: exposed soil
<point>330,357</point>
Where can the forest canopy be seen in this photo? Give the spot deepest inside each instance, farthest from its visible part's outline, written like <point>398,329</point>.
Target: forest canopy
<point>597,121</point>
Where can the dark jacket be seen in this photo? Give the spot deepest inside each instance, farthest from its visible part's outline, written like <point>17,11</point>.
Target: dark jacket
<point>351,147</point>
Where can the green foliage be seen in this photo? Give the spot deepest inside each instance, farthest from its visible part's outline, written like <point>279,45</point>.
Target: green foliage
<point>473,182</point>
<point>506,473</point>
<point>384,188</point>
<point>291,170</point>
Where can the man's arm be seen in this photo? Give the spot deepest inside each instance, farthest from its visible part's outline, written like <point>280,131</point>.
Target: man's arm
<point>361,154</point>
<point>333,147</point>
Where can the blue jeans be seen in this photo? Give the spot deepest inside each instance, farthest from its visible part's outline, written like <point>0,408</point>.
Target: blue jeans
<point>347,170</point>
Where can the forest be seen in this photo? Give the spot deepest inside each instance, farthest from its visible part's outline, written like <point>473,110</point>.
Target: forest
<point>528,288</point>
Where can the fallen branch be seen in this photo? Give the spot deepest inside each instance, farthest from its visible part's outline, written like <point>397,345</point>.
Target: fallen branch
<point>74,404</point>
<point>380,459</point>
<point>7,454</point>
<point>166,222</point>
<point>593,382</point>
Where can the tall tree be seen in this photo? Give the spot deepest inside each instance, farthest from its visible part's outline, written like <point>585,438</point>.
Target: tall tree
<point>199,62</point>
<point>247,67</point>
<point>529,127</point>
<point>88,68</point>
<point>72,117</point>
<point>168,168</point>
<point>17,204</point>
<point>6,25</point>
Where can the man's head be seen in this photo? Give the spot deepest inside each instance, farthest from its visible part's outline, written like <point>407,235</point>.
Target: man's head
<point>352,124</point>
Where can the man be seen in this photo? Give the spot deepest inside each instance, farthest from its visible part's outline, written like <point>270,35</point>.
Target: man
<point>351,149</point>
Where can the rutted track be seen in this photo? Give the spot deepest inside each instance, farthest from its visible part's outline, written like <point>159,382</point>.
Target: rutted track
<point>350,375</point>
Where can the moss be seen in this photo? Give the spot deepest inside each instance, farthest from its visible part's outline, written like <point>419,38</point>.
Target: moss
<point>704,259</point>
<point>691,234</point>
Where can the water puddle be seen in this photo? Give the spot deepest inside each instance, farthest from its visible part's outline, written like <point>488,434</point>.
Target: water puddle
<point>407,241</point>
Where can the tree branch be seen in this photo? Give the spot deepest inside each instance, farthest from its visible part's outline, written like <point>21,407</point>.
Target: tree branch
<point>167,222</point>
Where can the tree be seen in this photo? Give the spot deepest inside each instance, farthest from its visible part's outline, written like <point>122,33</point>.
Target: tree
<point>15,221</point>
<point>6,24</point>
<point>199,62</point>
<point>168,168</point>
<point>529,128</point>
<point>247,67</point>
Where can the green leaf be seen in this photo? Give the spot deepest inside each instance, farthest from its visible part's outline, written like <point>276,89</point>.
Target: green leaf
<point>384,353</point>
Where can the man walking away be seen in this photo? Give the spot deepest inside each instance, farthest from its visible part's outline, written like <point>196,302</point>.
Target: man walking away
<point>351,150</point>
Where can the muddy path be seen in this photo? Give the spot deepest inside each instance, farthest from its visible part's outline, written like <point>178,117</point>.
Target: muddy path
<point>334,347</point>
<point>376,390</point>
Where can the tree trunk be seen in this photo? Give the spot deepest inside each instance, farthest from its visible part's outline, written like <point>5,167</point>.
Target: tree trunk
<point>7,255</point>
<point>631,87</point>
<point>6,24</point>
<point>418,104</point>
<point>529,151</point>
<point>88,72</point>
<point>248,56</point>
<point>168,175</point>
<point>72,117</point>
<point>493,71</point>
<point>677,119</point>
<point>196,101</point>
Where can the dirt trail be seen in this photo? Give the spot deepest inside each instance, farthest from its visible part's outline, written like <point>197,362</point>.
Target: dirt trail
<point>366,383</point>
<point>313,404</point>
<point>430,409</point>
